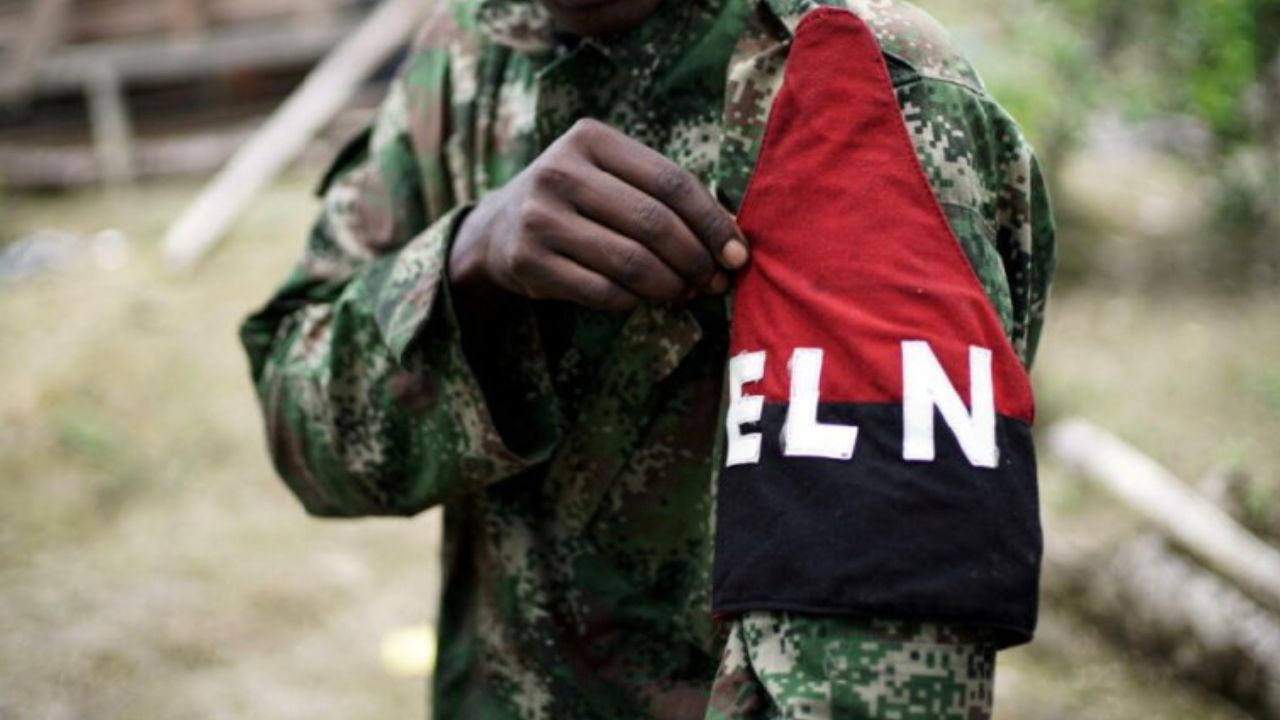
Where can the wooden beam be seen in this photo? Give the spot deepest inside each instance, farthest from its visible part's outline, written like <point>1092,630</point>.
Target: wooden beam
<point>112,129</point>
<point>1175,509</point>
<point>314,13</point>
<point>99,20</point>
<point>44,30</point>
<point>186,17</point>
<point>322,95</point>
<point>153,61</point>
<point>33,163</point>
<point>28,166</point>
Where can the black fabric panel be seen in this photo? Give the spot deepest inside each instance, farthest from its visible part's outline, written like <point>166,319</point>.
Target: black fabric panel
<point>877,536</point>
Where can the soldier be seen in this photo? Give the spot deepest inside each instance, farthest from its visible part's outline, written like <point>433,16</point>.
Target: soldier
<point>513,305</point>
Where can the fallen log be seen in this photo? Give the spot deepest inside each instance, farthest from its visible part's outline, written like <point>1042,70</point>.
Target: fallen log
<point>321,96</point>
<point>1155,601</point>
<point>1232,490</point>
<point>1192,521</point>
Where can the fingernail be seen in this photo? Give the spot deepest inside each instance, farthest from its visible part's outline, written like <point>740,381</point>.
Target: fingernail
<point>734,254</point>
<point>720,284</point>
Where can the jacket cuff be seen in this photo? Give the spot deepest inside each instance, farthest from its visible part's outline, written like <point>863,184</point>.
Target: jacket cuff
<point>416,285</point>
<point>512,416</point>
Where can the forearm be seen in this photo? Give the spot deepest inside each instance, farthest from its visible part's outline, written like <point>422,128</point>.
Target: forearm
<point>371,404</point>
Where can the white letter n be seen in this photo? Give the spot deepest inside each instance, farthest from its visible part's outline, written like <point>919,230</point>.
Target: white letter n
<point>925,386</point>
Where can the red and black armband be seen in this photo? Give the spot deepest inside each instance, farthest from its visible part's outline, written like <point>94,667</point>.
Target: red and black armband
<point>879,458</point>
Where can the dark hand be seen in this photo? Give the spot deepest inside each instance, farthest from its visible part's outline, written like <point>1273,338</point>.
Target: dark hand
<point>602,221</point>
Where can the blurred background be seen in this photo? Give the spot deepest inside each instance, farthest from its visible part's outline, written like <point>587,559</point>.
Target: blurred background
<point>152,567</point>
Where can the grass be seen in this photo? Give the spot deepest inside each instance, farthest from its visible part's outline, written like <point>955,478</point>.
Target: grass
<point>152,567</point>
<point>1189,379</point>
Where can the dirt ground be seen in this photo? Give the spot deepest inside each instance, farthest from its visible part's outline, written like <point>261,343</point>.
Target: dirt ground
<point>151,567</point>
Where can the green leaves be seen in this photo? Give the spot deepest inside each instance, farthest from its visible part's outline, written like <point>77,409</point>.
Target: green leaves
<point>1201,58</point>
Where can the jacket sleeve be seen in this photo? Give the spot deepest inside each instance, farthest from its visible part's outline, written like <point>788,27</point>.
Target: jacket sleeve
<point>372,403</point>
<point>992,191</point>
<point>780,665</point>
<point>1039,262</point>
<point>989,182</point>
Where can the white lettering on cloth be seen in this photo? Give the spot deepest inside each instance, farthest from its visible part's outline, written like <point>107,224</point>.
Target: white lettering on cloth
<point>925,386</point>
<point>744,449</point>
<point>926,393</point>
<point>803,435</point>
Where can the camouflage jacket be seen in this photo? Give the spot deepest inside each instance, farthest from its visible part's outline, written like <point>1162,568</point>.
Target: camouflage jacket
<point>573,456</point>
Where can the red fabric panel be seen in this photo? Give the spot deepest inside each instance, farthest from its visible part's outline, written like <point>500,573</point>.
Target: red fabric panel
<point>850,250</point>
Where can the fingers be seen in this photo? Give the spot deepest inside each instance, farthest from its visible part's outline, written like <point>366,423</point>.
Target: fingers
<point>639,217</point>
<point>624,261</point>
<point>649,171</point>
<point>603,221</point>
<point>561,278</point>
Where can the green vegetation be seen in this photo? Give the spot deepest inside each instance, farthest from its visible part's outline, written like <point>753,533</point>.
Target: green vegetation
<point>1193,84</point>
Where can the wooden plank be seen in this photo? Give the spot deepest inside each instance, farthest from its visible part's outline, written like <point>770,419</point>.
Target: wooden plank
<point>29,163</point>
<point>152,61</point>
<point>27,167</point>
<point>44,168</point>
<point>314,13</point>
<point>10,29</point>
<point>1179,512</point>
<point>44,31</point>
<point>112,130</point>
<point>321,96</point>
<point>97,20</point>
<point>186,17</point>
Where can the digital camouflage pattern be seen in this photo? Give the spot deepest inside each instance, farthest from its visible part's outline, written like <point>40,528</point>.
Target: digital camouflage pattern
<point>780,666</point>
<point>982,171</point>
<point>573,450</point>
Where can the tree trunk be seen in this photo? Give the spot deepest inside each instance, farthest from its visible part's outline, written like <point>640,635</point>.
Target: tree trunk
<point>1177,510</point>
<point>1161,604</point>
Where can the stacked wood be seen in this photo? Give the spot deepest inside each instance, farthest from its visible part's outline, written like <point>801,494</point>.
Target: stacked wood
<point>103,20</point>
<point>202,151</point>
<point>110,51</point>
<point>327,89</point>
<point>47,168</point>
<point>152,58</point>
<point>159,60</point>
<point>45,27</point>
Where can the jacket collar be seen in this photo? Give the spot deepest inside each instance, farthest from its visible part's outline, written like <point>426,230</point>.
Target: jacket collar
<point>522,25</point>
